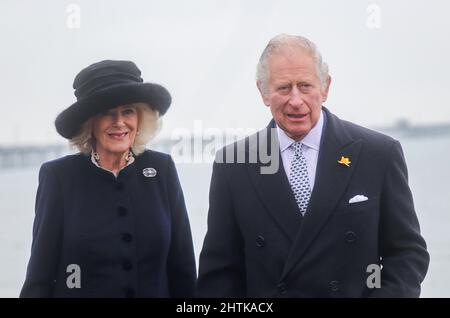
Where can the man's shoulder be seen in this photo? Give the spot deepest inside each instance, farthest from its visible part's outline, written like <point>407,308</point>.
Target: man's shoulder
<point>367,134</point>
<point>375,143</point>
<point>244,149</point>
<point>352,131</point>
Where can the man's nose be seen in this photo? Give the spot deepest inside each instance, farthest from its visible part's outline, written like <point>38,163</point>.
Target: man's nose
<point>296,97</point>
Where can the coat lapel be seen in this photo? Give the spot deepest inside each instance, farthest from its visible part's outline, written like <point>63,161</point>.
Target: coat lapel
<point>331,181</point>
<point>274,189</point>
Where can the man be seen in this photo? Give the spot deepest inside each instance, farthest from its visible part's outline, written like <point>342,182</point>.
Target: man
<point>335,220</point>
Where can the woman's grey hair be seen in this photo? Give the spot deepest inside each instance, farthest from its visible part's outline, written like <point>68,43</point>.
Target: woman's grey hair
<point>283,41</point>
<point>149,125</point>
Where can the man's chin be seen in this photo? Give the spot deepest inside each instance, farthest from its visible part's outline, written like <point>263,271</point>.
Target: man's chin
<point>297,135</point>
<point>297,132</point>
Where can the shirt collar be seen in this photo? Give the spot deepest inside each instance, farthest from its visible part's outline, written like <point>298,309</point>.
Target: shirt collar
<point>129,159</point>
<point>311,140</point>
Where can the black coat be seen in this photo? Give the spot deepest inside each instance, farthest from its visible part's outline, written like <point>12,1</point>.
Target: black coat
<point>259,245</point>
<point>130,235</point>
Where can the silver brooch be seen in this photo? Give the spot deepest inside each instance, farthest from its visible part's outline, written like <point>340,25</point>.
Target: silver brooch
<point>149,172</point>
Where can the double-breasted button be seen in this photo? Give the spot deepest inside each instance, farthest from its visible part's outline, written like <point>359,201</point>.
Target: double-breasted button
<point>260,241</point>
<point>127,237</point>
<point>122,211</point>
<point>120,186</point>
<point>282,288</point>
<point>350,237</point>
<point>334,285</point>
<point>126,265</point>
<point>129,292</point>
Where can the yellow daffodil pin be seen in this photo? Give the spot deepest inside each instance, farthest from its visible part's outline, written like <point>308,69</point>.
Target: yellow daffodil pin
<point>345,161</point>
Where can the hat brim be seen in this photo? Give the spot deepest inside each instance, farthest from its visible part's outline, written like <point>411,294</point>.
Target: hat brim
<point>69,122</point>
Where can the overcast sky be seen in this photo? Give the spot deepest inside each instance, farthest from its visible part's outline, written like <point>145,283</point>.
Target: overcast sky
<point>205,53</point>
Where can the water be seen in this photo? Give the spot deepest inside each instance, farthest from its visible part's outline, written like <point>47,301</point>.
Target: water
<point>428,162</point>
<point>429,173</point>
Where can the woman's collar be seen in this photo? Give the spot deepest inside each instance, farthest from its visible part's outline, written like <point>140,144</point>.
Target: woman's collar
<point>95,158</point>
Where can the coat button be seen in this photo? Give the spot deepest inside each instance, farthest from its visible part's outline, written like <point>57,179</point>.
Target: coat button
<point>260,241</point>
<point>129,292</point>
<point>120,186</point>
<point>282,288</point>
<point>127,237</point>
<point>350,236</point>
<point>127,266</point>
<point>334,286</point>
<point>122,211</point>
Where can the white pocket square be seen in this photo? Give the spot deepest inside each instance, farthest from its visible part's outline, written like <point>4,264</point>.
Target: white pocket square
<point>358,198</point>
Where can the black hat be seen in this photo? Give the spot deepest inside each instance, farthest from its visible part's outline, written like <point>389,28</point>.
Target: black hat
<point>108,84</point>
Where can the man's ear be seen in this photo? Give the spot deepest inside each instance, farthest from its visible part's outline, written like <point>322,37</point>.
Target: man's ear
<point>326,89</point>
<point>263,93</point>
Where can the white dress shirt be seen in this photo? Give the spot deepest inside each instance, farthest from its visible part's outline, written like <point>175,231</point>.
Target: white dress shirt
<point>310,149</point>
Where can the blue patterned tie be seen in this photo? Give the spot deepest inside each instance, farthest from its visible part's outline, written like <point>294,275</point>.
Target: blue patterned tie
<point>299,178</point>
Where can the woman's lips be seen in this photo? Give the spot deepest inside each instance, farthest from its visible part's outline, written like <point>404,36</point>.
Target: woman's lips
<point>118,136</point>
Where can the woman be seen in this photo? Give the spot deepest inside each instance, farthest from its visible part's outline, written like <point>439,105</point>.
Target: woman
<point>111,221</point>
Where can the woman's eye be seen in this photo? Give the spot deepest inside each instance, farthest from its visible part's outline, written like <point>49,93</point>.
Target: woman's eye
<point>105,113</point>
<point>128,111</point>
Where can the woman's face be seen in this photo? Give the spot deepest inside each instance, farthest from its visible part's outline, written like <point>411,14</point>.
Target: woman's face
<point>115,130</point>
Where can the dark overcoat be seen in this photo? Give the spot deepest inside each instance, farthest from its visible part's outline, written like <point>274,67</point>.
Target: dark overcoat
<point>259,245</point>
<point>126,237</point>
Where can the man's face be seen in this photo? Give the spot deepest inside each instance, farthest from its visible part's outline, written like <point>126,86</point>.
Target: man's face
<point>293,92</point>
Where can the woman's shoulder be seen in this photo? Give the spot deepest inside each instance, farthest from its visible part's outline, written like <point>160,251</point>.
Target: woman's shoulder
<point>159,161</point>
<point>63,163</point>
<point>155,156</point>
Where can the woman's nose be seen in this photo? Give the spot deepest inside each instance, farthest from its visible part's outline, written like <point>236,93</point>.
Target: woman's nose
<point>119,120</point>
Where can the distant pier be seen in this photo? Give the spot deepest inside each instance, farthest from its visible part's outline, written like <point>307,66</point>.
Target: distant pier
<point>25,156</point>
<point>34,155</point>
<point>404,129</point>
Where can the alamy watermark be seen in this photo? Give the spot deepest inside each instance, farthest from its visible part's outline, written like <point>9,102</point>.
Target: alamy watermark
<point>374,279</point>
<point>231,145</point>
<point>73,20</point>
<point>74,278</point>
<point>373,16</point>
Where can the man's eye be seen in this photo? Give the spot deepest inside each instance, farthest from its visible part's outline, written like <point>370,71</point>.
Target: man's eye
<point>283,88</point>
<point>305,87</point>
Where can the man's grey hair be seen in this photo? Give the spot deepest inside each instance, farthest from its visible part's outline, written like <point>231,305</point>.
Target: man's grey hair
<point>149,124</point>
<point>283,41</point>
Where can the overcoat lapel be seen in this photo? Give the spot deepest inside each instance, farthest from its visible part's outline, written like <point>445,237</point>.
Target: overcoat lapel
<point>274,189</point>
<point>331,181</point>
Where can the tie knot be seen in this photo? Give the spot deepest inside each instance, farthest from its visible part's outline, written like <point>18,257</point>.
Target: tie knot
<point>297,148</point>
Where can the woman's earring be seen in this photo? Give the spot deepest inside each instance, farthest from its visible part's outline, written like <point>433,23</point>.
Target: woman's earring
<point>96,156</point>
